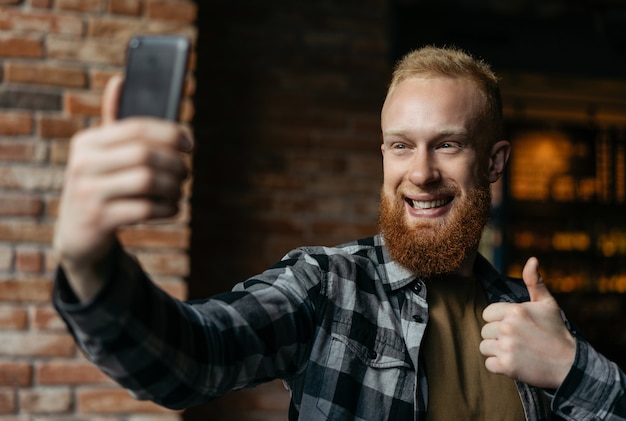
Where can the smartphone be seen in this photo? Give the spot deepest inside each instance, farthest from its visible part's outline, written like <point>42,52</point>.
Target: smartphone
<point>156,66</point>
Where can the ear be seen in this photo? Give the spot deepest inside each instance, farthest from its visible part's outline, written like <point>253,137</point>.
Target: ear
<point>498,158</point>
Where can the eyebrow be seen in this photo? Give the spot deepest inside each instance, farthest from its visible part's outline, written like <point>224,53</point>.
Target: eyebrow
<point>442,133</point>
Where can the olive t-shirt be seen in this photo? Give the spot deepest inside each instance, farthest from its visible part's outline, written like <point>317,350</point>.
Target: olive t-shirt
<point>459,385</point>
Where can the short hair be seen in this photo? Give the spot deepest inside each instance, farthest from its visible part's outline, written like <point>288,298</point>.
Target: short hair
<point>452,62</point>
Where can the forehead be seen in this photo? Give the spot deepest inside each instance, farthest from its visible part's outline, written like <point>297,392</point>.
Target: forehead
<point>432,101</point>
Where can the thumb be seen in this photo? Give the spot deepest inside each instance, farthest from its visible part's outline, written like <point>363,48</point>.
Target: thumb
<point>110,99</point>
<point>532,278</point>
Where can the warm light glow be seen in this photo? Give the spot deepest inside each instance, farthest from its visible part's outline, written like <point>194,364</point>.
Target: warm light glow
<point>563,241</point>
<point>539,160</point>
<point>589,168</point>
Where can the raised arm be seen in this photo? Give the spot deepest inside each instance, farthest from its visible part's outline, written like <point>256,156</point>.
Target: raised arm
<point>120,173</point>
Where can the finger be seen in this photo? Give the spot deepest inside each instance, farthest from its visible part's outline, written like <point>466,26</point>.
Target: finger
<point>534,282</point>
<point>487,347</point>
<point>489,331</point>
<point>140,183</point>
<point>110,99</point>
<point>495,312</point>
<point>155,132</point>
<point>125,212</point>
<point>493,365</point>
<point>132,155</point>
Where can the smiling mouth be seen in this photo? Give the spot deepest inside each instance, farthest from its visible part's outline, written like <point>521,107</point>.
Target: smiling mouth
<point>428,204</point>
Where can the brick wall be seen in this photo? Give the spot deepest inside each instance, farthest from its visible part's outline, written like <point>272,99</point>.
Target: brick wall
<point>287,145</point>
<point>55,57</point>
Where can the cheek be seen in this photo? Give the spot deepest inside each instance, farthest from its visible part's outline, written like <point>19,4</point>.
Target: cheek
<point>391,173</point>
<point>468,175</point>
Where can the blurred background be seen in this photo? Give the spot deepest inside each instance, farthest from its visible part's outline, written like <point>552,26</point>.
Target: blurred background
<point>284,101</point>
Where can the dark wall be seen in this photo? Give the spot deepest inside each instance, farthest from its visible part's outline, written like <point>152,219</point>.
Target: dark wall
<point>287,126</point>
<point>287,144</point>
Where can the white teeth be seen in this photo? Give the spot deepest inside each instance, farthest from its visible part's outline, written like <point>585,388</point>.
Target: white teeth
<point>421,204</point>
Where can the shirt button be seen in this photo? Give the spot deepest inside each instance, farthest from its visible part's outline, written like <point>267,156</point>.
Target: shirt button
<point>417,287</point>
<point>371,354</point>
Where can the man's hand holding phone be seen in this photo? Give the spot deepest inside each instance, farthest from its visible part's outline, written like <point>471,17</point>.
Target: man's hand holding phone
<point>122,172</point>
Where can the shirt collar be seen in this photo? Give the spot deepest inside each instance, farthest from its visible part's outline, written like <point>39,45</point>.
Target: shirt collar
<point>394,276</point>
<point>498,287</point>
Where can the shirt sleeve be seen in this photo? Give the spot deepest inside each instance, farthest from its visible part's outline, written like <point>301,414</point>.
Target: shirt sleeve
<point>593,389</point>
<point>183,354</point>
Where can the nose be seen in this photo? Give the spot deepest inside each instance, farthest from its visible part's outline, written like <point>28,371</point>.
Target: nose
<point>423,168</point>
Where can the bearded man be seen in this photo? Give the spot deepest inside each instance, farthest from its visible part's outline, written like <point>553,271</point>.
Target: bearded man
<point>410,324</point>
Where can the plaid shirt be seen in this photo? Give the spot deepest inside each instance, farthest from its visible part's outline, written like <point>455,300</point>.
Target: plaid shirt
<point>341,326</point>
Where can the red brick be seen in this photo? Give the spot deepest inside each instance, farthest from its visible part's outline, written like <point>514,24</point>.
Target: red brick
<point>12,317</point>
<point>59,151</point>
<point>8,404</point>
<point>100,77</point>
<point>18,204</point>
<point>45,318</point>
<point>168,263</point>
<point>37,344</point>
<point>112,400</point>
<point>114,28</point>
<point>24,231</point>
<point>126,7</point>
<point>15,123</point>
<point>87,51</point>
<point>45,74</point>
<point>28,260</point>
<point>31,178</point>
<point>79,5</point>
<point>26,290</point>
<point>122,29</point>
<point>56,126</point>
<point>185,11</point>
<point>41,4</point>
<point>69,372</point>
<point>155,237</point>
<point>44,22</point>
<point>45,400</point>
<point>13,45</point>
<point>15,373</point>
<point>22,151</point>
<point>82,103</point>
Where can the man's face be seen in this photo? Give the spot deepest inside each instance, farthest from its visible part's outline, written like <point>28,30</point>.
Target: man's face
<point>435,196</point>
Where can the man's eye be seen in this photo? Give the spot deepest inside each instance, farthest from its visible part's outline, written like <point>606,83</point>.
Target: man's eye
<point>450,146</point>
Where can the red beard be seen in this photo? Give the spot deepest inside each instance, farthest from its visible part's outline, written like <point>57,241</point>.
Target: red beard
<point>433,249</point>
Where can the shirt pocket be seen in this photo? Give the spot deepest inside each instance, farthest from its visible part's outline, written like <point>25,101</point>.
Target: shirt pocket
<point>366,371</point>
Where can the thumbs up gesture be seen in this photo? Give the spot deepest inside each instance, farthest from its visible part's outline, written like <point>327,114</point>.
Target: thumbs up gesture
<point>528,341</point>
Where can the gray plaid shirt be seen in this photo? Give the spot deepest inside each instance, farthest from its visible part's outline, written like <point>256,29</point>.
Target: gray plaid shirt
<point>342,326</point>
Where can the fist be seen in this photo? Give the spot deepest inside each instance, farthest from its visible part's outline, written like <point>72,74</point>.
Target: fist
<point>528,341</point>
